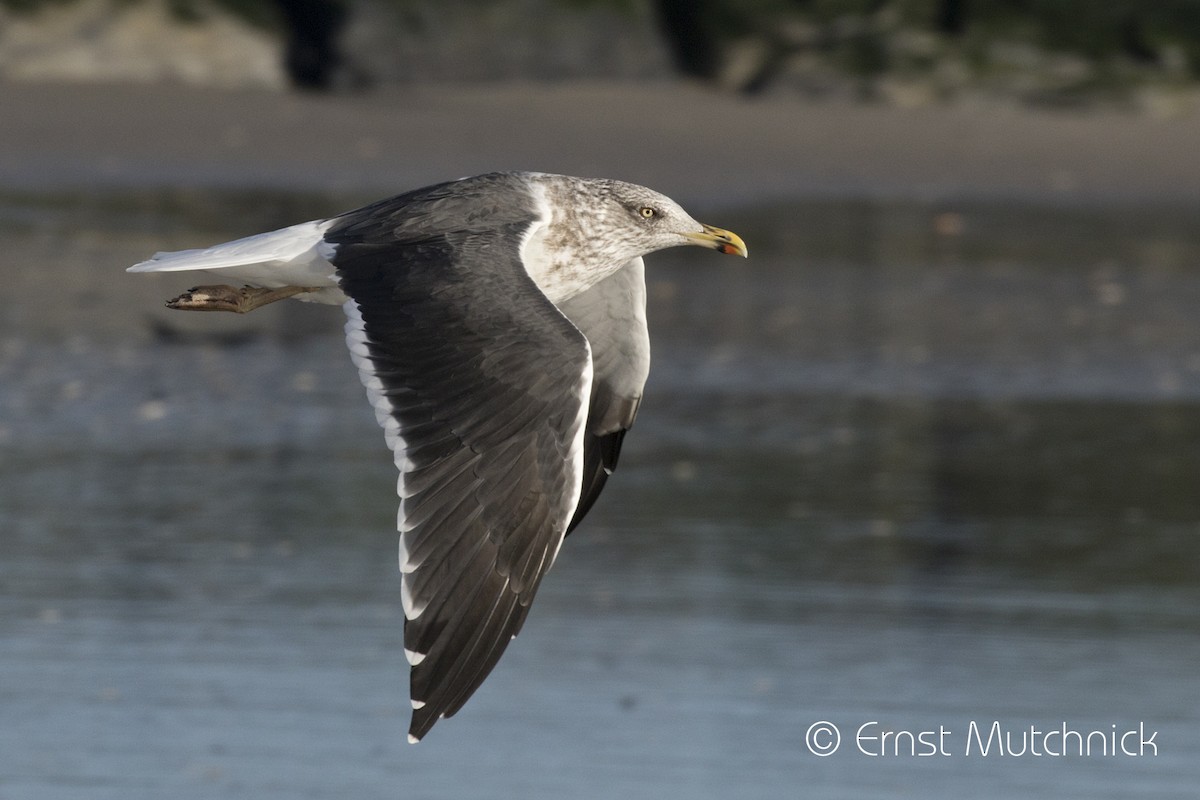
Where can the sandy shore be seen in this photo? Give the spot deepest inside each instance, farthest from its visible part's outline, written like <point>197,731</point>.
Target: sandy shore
<point>699,146</point>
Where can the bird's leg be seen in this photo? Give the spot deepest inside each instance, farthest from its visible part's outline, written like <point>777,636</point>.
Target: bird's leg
<point>227,298</point>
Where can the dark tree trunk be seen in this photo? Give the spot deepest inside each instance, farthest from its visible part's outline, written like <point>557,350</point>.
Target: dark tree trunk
<point>952,16</point>
<point>692,32</point>
<point>312,57</point>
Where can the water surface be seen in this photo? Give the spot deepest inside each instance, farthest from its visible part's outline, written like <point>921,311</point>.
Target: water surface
<point>914,464</point>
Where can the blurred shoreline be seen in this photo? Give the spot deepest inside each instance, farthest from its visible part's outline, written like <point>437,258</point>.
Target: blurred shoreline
<point>709,149</point>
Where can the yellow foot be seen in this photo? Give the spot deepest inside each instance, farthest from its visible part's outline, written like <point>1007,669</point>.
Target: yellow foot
<point>227,298</point>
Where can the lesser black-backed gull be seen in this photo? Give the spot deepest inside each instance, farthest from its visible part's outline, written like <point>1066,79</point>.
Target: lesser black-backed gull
<point>499,326</point>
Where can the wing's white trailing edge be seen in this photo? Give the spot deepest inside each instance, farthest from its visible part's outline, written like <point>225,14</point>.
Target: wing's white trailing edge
<point>356,341</point>
<point>360,354</point>
<point>412,609</point>
<point>575,456</point>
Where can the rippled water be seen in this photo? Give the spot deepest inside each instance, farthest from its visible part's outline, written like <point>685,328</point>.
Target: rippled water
<point>919,465</point>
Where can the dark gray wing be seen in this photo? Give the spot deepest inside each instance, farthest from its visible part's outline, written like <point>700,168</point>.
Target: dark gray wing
<point>480,384</point>
<point>612,315</point>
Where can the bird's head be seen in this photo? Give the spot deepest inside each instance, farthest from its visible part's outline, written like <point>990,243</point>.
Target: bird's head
<point>594,227</point>
<point>648,221</point>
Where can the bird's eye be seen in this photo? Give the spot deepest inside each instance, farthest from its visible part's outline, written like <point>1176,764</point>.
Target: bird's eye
<point>647,212</point>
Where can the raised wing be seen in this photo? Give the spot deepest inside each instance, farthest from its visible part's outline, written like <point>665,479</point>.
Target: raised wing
<point>481,387</point>
<point>612,315</point>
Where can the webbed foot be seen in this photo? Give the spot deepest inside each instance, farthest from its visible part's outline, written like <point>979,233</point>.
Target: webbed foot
<point>228,298</point>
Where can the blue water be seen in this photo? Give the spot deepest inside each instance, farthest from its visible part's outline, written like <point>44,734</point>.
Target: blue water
<point>903,468</point>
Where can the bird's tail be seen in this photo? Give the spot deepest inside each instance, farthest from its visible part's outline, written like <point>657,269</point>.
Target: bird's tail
<point>294,256</point>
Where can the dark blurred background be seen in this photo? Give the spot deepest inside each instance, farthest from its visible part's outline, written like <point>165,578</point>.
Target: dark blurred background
<point>1046,50</point>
